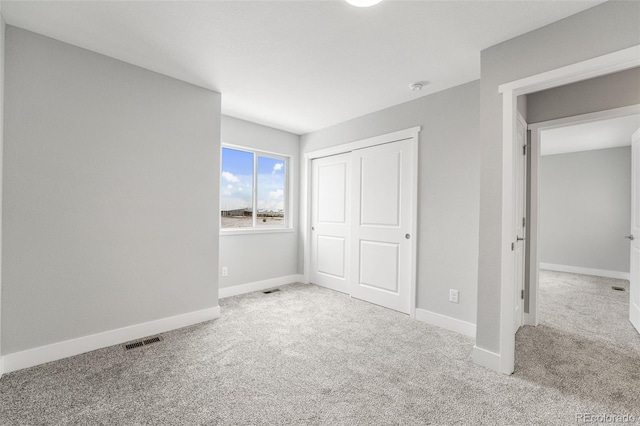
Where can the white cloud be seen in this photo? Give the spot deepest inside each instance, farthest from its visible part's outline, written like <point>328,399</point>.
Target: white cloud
<point>272,200</point>
<point>230,177</point>
<point>277,194</point>
<point>236,193</point>
<point>277,167</point>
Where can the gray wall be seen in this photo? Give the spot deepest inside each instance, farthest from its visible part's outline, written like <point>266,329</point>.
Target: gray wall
<point>448,189</point>
<point>603,29</point>
<point>257,257</point>
<point>522,106</point>
<point>585,209</point>
<point>110,194</point>
<point>597,94</point>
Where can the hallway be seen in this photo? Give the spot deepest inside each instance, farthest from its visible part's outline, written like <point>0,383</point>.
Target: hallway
<point>585,345</point>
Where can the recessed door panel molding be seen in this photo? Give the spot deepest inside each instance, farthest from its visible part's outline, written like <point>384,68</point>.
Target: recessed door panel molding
<point>330,222</point>
<point>332,193</point>
<point>380,179</point>
<point>331,256</point>
<point>379,265</point>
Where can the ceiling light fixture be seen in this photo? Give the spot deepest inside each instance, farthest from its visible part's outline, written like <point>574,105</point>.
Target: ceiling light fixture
<point>363,3</point>
<point>416,87</point>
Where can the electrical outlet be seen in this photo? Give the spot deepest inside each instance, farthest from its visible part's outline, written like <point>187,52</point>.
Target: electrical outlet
<point>453,296</point>
<point>225,271</point>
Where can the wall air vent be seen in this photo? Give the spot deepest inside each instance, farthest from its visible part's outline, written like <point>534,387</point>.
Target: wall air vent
<point>142,342</point>
<point>133,345</point>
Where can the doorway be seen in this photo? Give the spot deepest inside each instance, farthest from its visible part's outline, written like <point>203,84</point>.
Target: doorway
<point>582,227</point>
<point>504,360</point>
<point>583,343</point>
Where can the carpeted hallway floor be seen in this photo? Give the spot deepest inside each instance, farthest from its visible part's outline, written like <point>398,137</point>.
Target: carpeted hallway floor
<point>585,347</point>
<point>308,355</point>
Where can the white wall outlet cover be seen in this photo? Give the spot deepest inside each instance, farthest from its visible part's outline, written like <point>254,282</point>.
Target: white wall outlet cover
<point>453,296</point>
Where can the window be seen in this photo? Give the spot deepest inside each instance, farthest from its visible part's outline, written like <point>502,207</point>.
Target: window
<point>253,190</point>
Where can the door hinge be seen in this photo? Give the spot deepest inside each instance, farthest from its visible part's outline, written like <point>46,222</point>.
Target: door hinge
<point>522,294</point>
<point>524,222</point>
<point>524,150</point>
<point>513,246</point>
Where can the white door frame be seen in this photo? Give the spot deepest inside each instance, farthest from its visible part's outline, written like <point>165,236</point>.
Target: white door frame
<point>601,65</point>
<point>532,317</point>
<point>634,272</point>
<point>305,214</point>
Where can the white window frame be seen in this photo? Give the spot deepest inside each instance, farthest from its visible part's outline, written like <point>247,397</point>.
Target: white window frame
<point>288,222</point>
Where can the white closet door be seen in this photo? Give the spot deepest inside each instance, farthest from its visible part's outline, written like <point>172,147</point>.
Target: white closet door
<point>330,221</point>
<point>381,225</point>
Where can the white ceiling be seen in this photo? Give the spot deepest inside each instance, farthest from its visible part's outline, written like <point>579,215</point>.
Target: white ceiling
<point>296,65</point>
<point>610,133</point>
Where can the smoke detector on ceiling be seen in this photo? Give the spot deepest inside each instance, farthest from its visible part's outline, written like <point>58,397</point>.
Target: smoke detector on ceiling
<point>416,87</point>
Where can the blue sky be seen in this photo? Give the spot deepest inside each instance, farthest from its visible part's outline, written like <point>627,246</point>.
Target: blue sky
<point>236,184</point>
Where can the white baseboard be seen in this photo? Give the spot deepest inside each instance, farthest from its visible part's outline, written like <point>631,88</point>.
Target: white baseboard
<point>453,324</point>
<point>585,271</point>
<point>55,351</point>
<point>529,319</point>
<point>258,285</point>
<point>485,358</point>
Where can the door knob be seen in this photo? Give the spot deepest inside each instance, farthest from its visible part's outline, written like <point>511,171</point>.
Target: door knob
<point>313,228</point>
<point>407,236</point>
<point>629,237</point>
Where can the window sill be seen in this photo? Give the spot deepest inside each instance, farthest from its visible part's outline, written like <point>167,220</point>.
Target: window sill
<point>253,231</point>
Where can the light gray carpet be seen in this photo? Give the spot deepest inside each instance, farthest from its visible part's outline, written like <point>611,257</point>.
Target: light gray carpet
<point>308,355</point>
<point>585,347</point>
